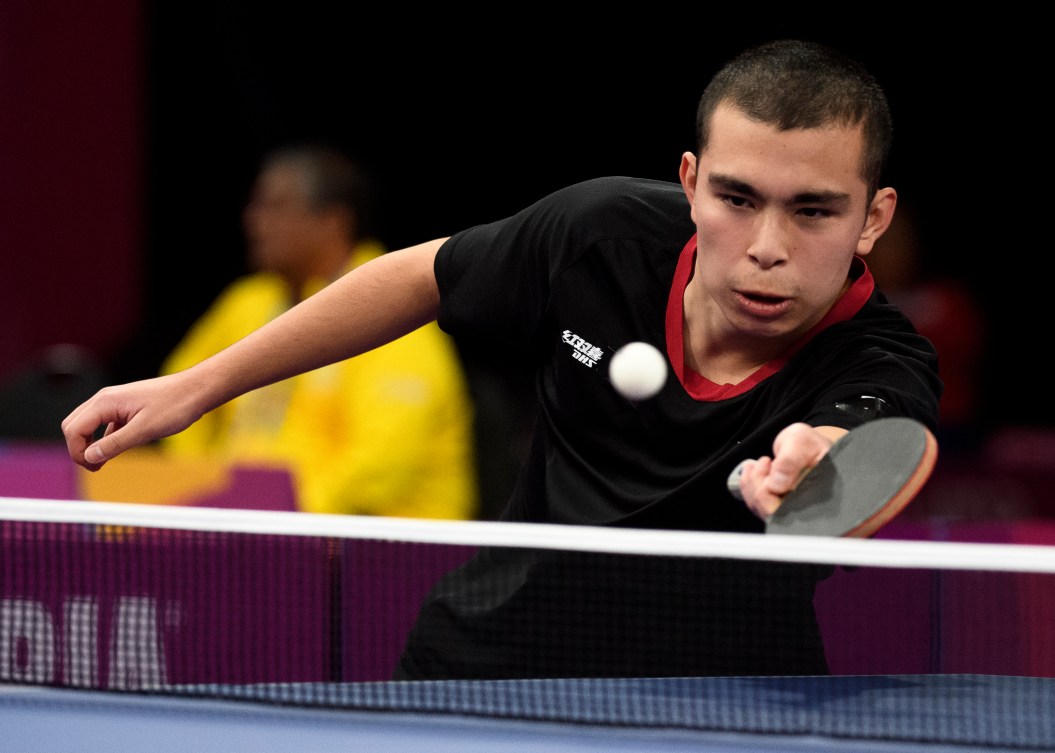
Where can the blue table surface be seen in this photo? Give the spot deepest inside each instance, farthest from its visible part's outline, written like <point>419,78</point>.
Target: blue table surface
<point>933,713</point>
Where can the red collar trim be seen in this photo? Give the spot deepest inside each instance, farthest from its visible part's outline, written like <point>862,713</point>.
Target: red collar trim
<point>701,388</point>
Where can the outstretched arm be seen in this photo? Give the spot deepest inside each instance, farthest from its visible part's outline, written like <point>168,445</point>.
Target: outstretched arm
<point>368,307</point>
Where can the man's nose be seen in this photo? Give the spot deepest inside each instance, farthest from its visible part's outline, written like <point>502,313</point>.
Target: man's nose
<point>772,240</point>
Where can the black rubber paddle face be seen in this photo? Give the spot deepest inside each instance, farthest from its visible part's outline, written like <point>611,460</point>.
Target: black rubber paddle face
<point>864,480</point>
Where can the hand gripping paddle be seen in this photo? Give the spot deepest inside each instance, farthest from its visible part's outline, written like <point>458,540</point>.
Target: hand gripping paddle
<point>867,477</point>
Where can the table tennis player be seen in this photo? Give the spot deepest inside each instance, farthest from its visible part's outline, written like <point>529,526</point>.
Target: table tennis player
<point>749,274</point>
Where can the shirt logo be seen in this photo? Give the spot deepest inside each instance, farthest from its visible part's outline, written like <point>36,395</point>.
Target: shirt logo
<point>582,351</point>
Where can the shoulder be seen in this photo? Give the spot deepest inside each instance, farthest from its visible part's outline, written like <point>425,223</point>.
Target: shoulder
<point>366,250</point>
<point>620,208</point>
<point>254,284</point>
<point>876,353</point>
<point>248,295</point>
<point>878,330</point>
<point>588,212</point>
<point>615,195</point>
<point>596,220</point>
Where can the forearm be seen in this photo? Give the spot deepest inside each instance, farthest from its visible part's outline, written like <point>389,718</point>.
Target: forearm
<point>369,306</point>
<point>375,303</point>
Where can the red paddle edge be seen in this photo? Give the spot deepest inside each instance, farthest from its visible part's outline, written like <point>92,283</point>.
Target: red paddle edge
<point>908,491</point>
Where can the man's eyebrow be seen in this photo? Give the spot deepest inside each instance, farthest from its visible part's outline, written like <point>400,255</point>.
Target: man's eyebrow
<point>729,183</point>
<point>820,197</point>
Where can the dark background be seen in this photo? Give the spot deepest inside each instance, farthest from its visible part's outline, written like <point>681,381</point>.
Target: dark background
<point>465,120</point>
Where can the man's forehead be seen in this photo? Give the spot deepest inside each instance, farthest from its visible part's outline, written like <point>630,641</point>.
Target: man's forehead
<point>825,158</point>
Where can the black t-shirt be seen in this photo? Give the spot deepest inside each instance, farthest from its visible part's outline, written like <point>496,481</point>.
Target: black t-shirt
<point>567,282</point>
<point>591,268</point>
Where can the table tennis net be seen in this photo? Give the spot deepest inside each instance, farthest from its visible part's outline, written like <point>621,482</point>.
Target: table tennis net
<point>468,617</point>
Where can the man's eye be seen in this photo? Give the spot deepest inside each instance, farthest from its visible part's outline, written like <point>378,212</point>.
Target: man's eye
<point>816,212</point>
<point>736,201</point>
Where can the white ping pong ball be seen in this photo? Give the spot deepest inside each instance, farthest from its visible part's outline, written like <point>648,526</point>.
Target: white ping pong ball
<point>638,370</point>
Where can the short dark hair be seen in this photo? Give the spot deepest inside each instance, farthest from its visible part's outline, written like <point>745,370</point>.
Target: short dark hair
<point>334,179</point>
<point>791,83</point>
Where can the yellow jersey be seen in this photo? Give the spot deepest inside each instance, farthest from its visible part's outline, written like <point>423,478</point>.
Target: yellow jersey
<point>389,432</point>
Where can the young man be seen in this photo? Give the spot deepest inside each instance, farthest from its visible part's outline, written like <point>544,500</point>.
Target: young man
<point>749,275</point>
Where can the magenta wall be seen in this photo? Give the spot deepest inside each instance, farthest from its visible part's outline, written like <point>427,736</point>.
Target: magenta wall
<point>71,166</point>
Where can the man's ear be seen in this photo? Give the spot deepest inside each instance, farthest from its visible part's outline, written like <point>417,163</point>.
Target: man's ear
<point>880,213</point>
<point>687,175</point>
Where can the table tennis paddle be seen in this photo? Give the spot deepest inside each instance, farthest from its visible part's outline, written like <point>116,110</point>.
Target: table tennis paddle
<point>867,477</point>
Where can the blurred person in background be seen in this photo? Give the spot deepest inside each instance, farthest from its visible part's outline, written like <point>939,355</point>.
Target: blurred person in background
<point>389,432</point>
